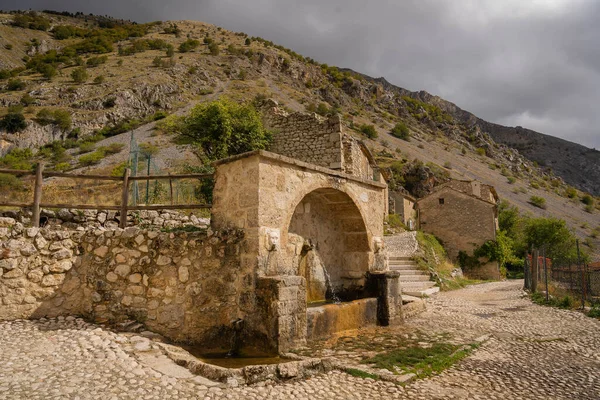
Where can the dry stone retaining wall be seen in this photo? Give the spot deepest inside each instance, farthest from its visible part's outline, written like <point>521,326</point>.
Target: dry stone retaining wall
<point>188,286</point>
<point>74,219</point>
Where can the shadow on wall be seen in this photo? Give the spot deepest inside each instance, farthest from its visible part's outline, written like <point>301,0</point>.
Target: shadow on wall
<point>330,246</point>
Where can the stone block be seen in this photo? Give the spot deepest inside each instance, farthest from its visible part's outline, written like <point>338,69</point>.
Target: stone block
<point>53,280</point>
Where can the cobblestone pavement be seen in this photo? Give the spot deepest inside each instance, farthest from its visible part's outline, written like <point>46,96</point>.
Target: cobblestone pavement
<point>533,352</point>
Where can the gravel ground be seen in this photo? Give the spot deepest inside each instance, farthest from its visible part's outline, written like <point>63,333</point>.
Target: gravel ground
<point>533,352</point>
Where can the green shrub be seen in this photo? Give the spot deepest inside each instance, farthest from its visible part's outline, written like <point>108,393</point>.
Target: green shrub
<point>95,61</point>
<point>188,45</point>
<point>571,192</point>
<point>47,71</point>
<point>481,151</point>
<point>538,201</point>
<point>62,167</point>
<point>512,179</point>
<point>60,118</point>
<point>109,102</point>
<point>213,48</point>
<point>17,159</point>
<point>99,80</point>
<point>112,148</point>
<point>91,158</point>
<point>31,20</point>
<point>587,200</point>
<point>10,182</point>
<point>79,75</point>
<point>27,100</point>
<point>86,147</point>
<point>369,131</point>
<point>13,122</point>
<point>400,130</point>
<point>8,46</point>
<point>15,85</point>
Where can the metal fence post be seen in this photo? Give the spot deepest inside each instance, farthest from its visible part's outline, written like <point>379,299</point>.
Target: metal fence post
<point>124,198</point>
<point>534,270</point>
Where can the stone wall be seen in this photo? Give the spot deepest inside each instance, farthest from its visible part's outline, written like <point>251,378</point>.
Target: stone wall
<point>310,138</point>
<point>306,137</point>
<point>73,219</point>
<point>187,286</point>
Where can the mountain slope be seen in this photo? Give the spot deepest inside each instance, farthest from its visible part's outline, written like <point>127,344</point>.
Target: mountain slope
<point>141,82</point>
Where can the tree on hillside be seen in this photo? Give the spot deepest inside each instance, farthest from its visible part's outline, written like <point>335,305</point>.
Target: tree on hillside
<point>223,128</point>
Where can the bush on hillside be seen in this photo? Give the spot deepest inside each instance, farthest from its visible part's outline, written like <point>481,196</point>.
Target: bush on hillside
<point>538,201</point>
<point>369,131</point>
<point>400,130</point>
<point>13,122</point>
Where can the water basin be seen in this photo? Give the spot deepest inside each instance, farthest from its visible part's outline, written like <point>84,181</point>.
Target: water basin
<point>245,358</point>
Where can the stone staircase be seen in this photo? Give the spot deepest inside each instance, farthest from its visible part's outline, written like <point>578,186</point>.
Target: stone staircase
<point>413,280</point>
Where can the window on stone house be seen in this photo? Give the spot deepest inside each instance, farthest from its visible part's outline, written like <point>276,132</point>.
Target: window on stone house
<point>441,200</point>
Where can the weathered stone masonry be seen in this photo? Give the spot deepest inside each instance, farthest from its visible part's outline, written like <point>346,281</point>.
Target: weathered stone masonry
<point>186,286</point>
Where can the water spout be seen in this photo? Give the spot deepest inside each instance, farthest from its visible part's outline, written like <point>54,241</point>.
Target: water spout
<point>333,295</point>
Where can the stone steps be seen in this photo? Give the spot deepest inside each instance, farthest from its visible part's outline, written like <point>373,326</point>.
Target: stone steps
<point>413,280</point>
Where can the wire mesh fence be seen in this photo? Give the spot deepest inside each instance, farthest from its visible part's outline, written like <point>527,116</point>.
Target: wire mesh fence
<point>577,279</point>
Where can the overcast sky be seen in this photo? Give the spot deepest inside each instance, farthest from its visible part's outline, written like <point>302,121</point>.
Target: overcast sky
<point>534,63</point>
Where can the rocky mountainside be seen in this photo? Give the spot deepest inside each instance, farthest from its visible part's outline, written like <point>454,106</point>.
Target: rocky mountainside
<point>114,77</point>
<point>576,164</point>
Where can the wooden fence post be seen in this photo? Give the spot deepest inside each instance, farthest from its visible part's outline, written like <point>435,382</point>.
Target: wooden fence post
<point>124,198</point>
<point>37,194</point>
<point>535,254</point>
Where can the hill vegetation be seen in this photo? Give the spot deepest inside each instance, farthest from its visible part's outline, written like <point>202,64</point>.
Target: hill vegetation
<point>74,83</point>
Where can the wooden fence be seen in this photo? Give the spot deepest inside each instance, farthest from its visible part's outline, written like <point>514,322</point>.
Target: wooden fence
<point>124,207</point>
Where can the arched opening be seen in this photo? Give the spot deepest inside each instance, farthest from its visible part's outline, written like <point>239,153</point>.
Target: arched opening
<point>334,259</point>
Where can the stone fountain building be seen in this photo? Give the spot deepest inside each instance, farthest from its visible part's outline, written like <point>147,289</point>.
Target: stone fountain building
<point>286,233</point>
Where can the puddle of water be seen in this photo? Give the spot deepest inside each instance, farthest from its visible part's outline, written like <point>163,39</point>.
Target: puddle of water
<point>247,357</point>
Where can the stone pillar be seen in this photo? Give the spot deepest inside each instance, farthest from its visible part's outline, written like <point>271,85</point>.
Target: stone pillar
<point>282,304</point>
<point>386,287</point>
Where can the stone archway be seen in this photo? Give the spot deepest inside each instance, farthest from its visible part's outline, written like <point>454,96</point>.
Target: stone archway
<point>335,245</point>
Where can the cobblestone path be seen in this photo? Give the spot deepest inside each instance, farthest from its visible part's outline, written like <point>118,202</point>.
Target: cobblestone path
<point>533,352</point>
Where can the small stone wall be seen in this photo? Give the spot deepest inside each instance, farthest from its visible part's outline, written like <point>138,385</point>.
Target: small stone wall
<point>74,219</point>
<point>187,286</point>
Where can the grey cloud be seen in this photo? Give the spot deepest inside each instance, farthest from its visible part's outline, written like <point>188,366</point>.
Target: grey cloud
<point>532,64</point>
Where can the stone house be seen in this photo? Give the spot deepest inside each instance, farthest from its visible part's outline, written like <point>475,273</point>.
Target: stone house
<point>404,205</point>
<point>463,215</point>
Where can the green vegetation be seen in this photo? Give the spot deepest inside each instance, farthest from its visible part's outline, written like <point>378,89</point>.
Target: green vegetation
<point>189,45</point>
<point>14,85</point>
<point>213,48</point>
<point>10,182</point>
<point>58,117</point>
<point>422,361</point>
<point>368,130</point>
<point>17,159</point>
<point>224,128</point>
<point>421,110</point>
<point>360,374</point>
<point>91,158</point>
<point>564,302</point>
<point>400,130</point>
<point>79,75</point>
<point>13,122</point>
<point>538,202</point>
<point>31,20</point>
<point>95,61</point>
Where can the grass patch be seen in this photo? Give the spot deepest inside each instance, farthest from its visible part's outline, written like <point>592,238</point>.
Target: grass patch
<point>421,361</point>
<point>186,228</point>
<point>360,374</point>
